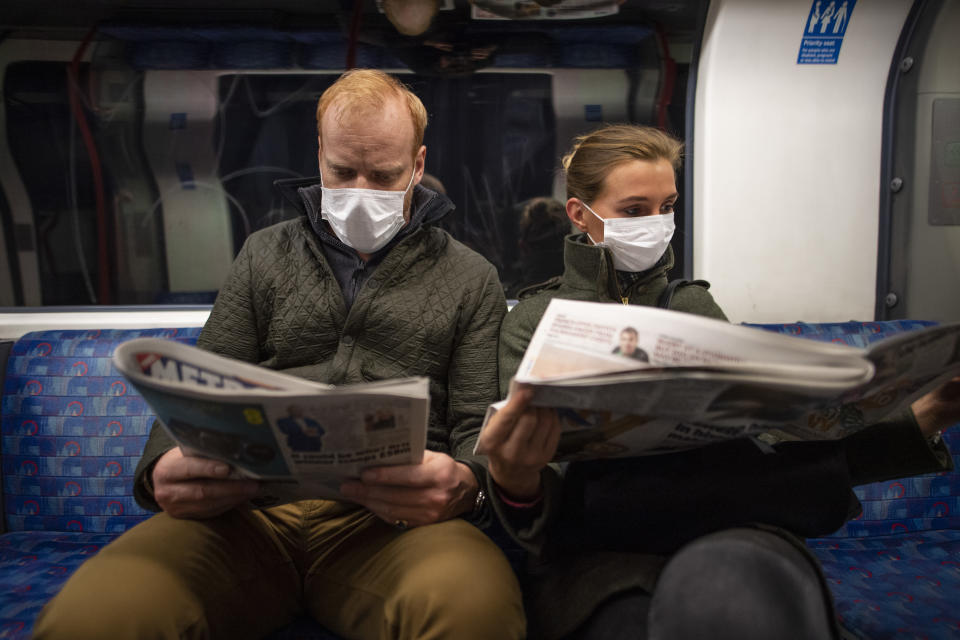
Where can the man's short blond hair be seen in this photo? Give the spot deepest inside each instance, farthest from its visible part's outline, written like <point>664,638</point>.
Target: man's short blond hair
<point>369,89</point>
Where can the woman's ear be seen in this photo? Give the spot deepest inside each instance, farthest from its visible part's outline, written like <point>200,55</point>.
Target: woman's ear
<point>576,212</point>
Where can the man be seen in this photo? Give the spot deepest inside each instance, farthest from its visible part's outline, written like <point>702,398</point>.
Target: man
<point>303,432</point>
<point>542,226</point>
<point>360,287</point>
<point>628,345</point>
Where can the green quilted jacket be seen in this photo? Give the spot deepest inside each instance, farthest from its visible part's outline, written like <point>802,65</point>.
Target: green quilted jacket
<point>432,308</point>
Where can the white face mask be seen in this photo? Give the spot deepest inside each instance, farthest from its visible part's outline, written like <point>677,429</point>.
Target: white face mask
<point>636,243</point>
<point>365,219</point>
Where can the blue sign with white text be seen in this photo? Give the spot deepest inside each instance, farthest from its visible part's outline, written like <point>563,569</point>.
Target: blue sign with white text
<point>824,30</point>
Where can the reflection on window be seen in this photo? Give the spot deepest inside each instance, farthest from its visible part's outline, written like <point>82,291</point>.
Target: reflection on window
<point>187,130</point>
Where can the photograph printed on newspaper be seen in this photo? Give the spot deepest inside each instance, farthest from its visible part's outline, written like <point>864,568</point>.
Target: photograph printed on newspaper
<point>303,439</point>
<point>632,380</point>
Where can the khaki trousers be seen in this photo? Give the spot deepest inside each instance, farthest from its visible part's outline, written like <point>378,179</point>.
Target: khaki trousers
<point>247,573</point>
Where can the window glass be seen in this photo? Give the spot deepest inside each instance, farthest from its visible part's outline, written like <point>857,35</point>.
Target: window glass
<point>136,178</point>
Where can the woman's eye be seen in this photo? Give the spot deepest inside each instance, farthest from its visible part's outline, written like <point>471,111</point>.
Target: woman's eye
<point>668,208</point>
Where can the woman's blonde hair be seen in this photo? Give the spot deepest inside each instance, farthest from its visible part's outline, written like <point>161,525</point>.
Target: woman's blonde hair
<point>369,88</point>
<point>595,154</point>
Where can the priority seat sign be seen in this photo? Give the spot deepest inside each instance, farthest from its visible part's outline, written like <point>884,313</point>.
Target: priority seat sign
<point>823,31</point>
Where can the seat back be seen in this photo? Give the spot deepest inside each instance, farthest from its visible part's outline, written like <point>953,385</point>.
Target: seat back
<point>920,503</point>
<point>73,430</point>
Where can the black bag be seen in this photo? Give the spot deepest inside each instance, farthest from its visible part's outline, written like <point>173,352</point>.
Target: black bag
<point>655,504</point>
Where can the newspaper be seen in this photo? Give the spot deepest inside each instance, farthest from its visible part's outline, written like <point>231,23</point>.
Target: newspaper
<point>301,438</point>
<point>633,380</point>
<point>531,10</point>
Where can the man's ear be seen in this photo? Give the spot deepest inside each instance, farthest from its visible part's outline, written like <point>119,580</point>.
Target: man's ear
<point>576,212</point>
<point>419,164</point>
<point>319,153</point>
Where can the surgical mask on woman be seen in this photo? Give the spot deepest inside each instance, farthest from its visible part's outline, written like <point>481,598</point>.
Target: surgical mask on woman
<point>636,243</point>
<point>365,219</point>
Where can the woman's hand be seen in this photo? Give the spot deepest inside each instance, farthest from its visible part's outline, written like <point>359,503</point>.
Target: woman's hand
<point>519,441</point>
<point>938,409</point>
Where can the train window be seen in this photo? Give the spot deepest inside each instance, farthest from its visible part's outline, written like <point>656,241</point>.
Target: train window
<point>491,146</point>
<point>136,164</point>
<point>920,207</point>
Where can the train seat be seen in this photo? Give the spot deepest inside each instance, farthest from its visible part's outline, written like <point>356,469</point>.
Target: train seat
<point>72,433</point>
<point>895,570</point>
<point>73,430</point>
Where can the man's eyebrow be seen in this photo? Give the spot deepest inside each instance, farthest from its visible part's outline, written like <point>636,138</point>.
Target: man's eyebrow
<point>397,168</point>
<point>333,164</point>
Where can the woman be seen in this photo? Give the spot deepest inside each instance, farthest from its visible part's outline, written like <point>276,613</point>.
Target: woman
<point>694,544</point>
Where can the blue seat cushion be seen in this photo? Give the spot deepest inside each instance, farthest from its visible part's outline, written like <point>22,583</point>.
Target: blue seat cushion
<point>895,570</point>
<point>33,567</point>
<point>895,586</point>
<point>72,433</point>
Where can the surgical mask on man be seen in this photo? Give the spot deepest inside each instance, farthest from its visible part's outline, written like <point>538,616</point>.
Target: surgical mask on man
<point>636,243</point>
<point>365,219</point>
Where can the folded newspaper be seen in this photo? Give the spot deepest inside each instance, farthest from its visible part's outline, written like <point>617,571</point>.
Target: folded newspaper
<point>302,438</point>
<point>633,380</point>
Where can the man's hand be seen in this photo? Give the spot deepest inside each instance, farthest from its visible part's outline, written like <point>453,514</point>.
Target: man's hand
<point>519,441</point>
<point>197,488</point>
<point>437,489</point>
<point>938,409</point>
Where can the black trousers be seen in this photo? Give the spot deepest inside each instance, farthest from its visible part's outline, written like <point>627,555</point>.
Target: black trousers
<point>738,584</point>
<point>722,514</point>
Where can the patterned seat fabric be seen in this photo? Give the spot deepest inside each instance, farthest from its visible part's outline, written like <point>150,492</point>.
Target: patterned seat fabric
<point>72,432</point>
<point>895,570</point>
